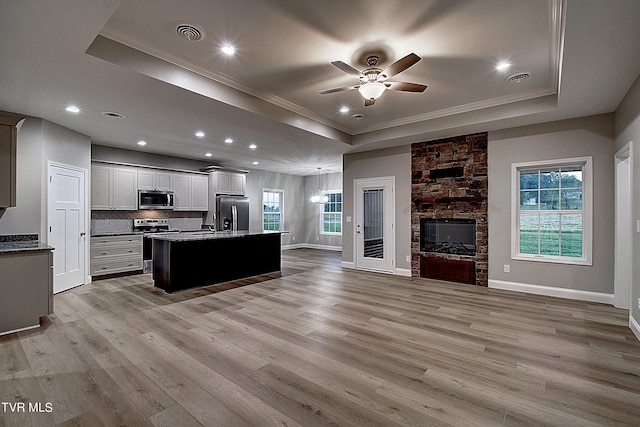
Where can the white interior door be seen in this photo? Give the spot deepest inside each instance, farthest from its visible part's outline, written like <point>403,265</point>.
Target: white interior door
<point>623,230</point>
<point>66,226</point>
<point>374,227</point>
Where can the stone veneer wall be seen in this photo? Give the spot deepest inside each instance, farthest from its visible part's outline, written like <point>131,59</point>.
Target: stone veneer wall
<point>460,193</point>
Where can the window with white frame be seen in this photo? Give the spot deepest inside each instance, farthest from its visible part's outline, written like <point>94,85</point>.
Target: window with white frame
<point>552,211</point>
<point>272,210</point>
<point>331,214</point>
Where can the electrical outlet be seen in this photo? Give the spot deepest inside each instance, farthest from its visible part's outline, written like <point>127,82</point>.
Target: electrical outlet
<point>638,303</point>
<point>408,258</point>
<point>507,268</point>
<point>317,238</point>
<point>293,238</point>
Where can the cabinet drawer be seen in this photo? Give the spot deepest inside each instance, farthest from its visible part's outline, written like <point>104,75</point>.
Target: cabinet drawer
<point>115,265</point>
<point>106,251</point>
<point>116,240</point>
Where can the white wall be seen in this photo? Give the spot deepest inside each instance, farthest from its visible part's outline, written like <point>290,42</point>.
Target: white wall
<point>40,141</point>
<point>396,162</point>
<point>588,136</point>
<point>627,129</point>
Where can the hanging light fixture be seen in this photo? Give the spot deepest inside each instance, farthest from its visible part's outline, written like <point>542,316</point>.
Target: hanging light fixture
<point>318,197</point>
<point>372,90</point>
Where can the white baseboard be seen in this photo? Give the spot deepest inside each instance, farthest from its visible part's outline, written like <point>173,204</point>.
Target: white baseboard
<point>403,272</point>
<point>635,327</point>
<point>552,292</point>
<point>348,264</point>
<point>312,246</point>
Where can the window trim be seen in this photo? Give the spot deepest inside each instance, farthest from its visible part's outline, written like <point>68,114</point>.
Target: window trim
<point>321,216</point>
<point>281,203</point>
<point>587,210</point>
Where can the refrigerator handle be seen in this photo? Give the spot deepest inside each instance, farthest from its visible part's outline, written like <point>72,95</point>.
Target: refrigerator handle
<point>234,218</point>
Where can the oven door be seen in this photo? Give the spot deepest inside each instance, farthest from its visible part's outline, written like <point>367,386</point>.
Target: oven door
<point>155,199</point>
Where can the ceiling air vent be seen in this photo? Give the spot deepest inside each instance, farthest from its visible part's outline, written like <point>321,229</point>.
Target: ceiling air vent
<point>518,78</point>
<point>189,31</point>
<point>112,115</point>
<point>358,117</point>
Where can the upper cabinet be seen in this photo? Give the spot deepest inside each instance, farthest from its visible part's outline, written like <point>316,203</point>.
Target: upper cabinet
<point>9,124</point>
<point>231,183</point>
<point>191,192</point>
<point>114,187</point>
<point>149,179</point>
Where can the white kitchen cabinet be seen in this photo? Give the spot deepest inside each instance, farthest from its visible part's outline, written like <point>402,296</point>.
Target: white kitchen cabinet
<point>125,189</point>
<point>115,254</point>
<point>114,188</point>
<point>199,193</point>
<point>149,179</point>
<point>181,192</point>
<point>231,183</point>
<point>101,187</point>
<point>190,192</point>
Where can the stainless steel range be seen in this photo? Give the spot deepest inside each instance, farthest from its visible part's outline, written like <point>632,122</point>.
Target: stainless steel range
<point>145,226</point>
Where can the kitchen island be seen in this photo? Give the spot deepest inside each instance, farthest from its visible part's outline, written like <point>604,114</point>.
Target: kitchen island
<point>188,260</point>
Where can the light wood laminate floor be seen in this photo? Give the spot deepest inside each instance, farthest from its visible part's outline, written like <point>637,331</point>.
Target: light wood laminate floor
<point>320,345</point>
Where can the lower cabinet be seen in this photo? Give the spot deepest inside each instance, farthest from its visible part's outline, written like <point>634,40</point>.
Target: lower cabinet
<point>26,289</point>
<point>116,254</point>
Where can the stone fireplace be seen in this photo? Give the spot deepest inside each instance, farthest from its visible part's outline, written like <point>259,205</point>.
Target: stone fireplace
<point>449,183</point>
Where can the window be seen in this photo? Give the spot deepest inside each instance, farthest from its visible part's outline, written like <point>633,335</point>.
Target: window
<point>272,210</point>
<point>331,216</point>
<point>551,211</point>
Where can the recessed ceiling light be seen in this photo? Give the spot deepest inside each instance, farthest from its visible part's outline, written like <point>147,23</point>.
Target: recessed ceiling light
<point>142,143</point>
<point>255,163</point>
<point>208,154</point>
<point>228,50</point>
<point>502,66</point>
<point>199,134</point>
<point>73,109</point>
<point>344,109</point>
<point>253,146</point>
<point>228,140</point>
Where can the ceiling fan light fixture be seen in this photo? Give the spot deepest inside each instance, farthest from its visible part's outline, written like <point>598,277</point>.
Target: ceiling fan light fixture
<point>372,90</point>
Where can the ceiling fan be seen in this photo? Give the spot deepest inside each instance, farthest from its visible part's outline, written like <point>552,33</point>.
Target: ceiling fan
<point>374,80</point>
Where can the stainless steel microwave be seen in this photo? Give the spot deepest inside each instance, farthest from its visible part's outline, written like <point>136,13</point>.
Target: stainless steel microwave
<point>152,199</point>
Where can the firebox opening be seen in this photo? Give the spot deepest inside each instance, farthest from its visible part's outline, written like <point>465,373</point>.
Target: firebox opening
<point>448,235</point>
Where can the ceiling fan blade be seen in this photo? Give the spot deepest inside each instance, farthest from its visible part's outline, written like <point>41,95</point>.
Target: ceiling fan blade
<point>368,102</point>
<point>338,89</point>
<point>347,69</point>
<point>400,65</point>
<point>405,87</point>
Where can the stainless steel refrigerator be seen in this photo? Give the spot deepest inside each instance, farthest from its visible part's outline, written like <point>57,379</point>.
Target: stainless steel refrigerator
<point>232,213</point>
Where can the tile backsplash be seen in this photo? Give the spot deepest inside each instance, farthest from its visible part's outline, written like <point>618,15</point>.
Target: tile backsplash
<point>108,222</point>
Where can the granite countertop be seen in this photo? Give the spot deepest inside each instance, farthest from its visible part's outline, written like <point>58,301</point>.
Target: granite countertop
<point>22,243</point>
<point>209,235</point>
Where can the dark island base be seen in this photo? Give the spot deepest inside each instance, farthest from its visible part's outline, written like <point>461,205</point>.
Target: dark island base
<point>179,265</point>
